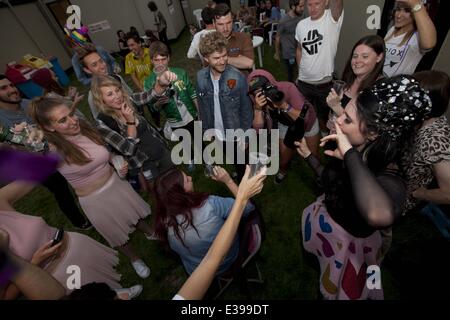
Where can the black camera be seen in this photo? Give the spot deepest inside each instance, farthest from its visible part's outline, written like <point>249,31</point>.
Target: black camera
<point>270,91</point>
<point>170,91</point>
<point>296,131</point>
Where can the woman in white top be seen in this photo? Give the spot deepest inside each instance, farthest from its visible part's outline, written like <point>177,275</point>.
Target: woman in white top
<point>412,35</point>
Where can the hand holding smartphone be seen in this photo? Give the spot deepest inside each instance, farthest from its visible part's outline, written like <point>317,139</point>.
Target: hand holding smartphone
<point>59,235</point>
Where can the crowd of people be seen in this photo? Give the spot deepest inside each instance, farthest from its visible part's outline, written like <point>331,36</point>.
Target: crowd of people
<point>384,132</point>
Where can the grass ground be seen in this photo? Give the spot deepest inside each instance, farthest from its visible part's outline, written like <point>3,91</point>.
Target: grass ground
<point>286,274</point>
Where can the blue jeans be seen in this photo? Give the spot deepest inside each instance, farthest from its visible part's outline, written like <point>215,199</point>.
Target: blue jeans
<point>291,66</point>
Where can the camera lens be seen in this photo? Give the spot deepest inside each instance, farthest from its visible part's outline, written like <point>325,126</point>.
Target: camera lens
<point>277,97</point>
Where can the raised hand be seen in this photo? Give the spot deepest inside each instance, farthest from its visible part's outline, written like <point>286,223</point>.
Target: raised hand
<point>342,141</point>
<point>334,100</point>
<point>166,78</point>
<point>162,102</point>
<point>127,112</point>
<point>250,187</point>
<point>77,98</point>
<point>302,148</point>
<point>260,100</point>
<point>221,175</point>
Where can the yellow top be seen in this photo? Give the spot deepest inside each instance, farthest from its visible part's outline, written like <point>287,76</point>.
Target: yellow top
<point>141,67</point>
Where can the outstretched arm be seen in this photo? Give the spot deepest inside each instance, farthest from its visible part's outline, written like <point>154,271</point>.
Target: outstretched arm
<point>13,192</point>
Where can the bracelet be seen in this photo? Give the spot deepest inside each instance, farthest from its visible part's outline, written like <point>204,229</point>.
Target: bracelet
<point>131,123</point>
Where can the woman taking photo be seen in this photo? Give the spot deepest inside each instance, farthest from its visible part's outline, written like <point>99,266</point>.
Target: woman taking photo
<point>364,194</point>
<point>189,221</point>
<point>128,133</point>
<point>111,205</point>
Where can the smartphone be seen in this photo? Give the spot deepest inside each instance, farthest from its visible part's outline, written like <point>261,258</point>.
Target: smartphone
<point>59,235</point>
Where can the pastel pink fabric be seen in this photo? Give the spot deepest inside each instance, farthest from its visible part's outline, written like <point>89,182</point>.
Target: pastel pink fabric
<point>81,176</point>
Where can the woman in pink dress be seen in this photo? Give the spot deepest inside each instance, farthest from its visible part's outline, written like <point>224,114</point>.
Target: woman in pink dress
<point>75,261</point>
<point>112,206</point>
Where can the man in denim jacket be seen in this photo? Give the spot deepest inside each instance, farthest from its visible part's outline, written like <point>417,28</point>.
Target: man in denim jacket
<point>222,93</point>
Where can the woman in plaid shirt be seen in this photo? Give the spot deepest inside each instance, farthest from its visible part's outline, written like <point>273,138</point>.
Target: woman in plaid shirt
<point>128,133</point>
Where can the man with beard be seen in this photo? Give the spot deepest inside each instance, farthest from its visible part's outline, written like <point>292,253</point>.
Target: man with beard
<point>239,45</point>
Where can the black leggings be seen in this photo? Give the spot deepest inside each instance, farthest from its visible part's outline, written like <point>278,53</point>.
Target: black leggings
<point>162,35</point>
<point>58,185</point>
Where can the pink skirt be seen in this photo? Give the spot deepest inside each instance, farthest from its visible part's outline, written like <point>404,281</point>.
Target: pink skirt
<point>343,258</point>
<point>114,210</point>
<point>86,260</point>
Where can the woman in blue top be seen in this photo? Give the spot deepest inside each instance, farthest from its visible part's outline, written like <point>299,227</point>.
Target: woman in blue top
<point>190,221</point>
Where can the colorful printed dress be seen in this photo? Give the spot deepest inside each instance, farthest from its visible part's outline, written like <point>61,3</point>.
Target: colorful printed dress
<point>335,230</point>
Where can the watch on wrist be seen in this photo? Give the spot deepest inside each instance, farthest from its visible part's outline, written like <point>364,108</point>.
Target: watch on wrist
<point>417,8</point>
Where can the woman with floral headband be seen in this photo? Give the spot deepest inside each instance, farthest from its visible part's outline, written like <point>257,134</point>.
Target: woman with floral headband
<point>364,194</point>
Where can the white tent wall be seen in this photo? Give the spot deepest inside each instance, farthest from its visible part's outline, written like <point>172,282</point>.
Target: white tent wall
<point>17,43</point>
<point>353,28</point>
<point>122,14</point>
<point>175,20</point>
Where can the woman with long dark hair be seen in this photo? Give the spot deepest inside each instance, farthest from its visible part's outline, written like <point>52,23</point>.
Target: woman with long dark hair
<point>189,220</point>
<point>363,68</point>
<point>364,194</point>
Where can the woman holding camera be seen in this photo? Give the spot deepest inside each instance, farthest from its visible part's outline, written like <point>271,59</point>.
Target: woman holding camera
<point>112,206</point>
<point>364,194</point>
<point>278,105</point>
<point>128,133</point>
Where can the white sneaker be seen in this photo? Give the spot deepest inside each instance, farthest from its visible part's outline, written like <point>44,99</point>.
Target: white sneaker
<point>141,268</point>
<point>129,293</point>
